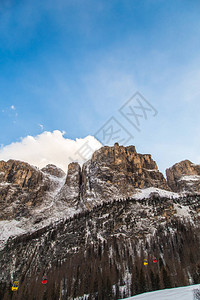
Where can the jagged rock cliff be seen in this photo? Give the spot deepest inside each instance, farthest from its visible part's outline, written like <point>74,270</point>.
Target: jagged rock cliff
<point>70,192</point>
<point>27,197</point>
<point>21,187</point>
<point>184,177</point>
<point>112,173</point>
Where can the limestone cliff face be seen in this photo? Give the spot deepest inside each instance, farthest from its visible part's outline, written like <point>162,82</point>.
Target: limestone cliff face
<point>22,187</point>
<point>112,173</point>
<point>184,177</point>
<point>70,192</point>
<point>19,173</point>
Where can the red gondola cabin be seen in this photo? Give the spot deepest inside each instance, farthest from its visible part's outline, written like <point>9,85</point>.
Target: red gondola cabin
<point>44,280</point>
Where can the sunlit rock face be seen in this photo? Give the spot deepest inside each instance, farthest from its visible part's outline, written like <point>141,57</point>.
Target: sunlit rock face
<point>184,177</point>
<point>116,172</point>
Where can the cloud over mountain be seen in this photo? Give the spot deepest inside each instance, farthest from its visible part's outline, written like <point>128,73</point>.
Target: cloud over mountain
<point>50,147</point>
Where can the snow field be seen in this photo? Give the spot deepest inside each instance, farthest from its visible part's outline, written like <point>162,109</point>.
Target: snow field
<point>181,293</point>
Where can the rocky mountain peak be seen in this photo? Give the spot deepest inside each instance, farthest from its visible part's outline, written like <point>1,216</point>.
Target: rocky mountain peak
<point>53,170</point>
<point>73,174</point>
<point>112,173</point>
<point>184,177</point>
<point>116,153</point>
<point>20,173</point>
<point>22,187</point>
<point>70,192</point>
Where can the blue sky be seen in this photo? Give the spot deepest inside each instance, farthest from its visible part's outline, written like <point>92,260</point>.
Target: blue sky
<point>70,65</point>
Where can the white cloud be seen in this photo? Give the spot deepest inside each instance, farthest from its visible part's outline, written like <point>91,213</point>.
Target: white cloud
<point>41,126</point>
<point>50,147</point>
<point>12,107</point>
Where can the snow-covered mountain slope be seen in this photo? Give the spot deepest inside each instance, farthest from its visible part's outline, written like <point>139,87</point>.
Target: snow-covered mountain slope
<point>181,293</point>
<point>54,208</point>
<point>134,219</point>
<point>48,211</point>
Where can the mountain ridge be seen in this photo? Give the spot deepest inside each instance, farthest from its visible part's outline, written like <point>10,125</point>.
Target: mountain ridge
<point>110,214</point>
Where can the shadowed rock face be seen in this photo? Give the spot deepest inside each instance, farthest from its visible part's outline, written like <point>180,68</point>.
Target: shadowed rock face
<point>53,170</point>
<point>184,177</point>
<point>70,192</point>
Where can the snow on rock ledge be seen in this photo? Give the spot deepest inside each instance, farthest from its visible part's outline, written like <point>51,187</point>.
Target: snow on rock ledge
<point>148,192</point>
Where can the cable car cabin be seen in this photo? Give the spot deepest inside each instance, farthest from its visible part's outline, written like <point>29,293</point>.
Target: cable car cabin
<point>145,262</point>
<point>44,280</point>
<point>15,286</point>
<point>154,260</point>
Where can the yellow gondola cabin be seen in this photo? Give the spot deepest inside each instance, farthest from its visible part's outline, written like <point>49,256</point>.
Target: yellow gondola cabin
<point>15,286</point>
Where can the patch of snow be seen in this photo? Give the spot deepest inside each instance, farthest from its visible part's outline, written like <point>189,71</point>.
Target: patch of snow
<point>84,297</point>
<point>8,229</point>
<point>190,178</point>
<point>59,182</point>
<point>150,170</point>
<point>182,211</point>
<point>181,293</point>
<point>190,278</point>
<point>146,193</point>
<point>122,289</point>
<point>99,237</point>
